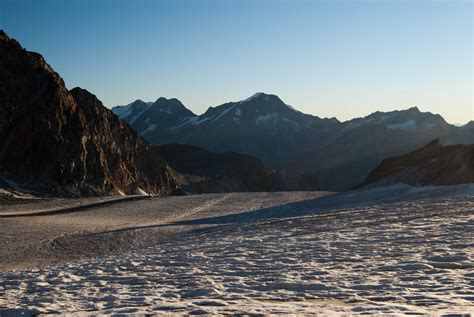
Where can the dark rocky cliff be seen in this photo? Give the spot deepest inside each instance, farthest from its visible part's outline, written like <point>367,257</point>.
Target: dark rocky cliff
<point>67,142</point>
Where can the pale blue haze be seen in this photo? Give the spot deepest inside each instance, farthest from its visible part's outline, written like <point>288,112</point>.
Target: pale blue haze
<point>329,58</point>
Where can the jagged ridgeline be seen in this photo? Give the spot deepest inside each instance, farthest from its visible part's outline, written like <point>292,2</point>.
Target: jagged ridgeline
<point>67,142</point>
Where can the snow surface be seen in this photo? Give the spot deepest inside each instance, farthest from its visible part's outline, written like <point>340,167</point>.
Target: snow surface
<point>391,250</point>
<point>238,112</point>
<point>141,192</point>
<point>125,111</point>
<point>136,116</point>
<point>293,123</point>
<point>237,115</point>
<point>10,188</point>
<point>185,121</point>
<point>273,117</point>
<point>121,111</point>
<point>12,194</point>
<point>357,123</point>
<point>408,125</point>
<point>168,110</point>
<point>151,128</point>
<point>224,112</point>
<point>198,120</point>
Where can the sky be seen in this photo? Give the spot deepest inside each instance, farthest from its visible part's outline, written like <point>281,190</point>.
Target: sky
<point>335,58</point>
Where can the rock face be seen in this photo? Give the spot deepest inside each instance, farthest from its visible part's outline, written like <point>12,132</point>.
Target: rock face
<point>433,164</point>
<point>206,172</point>
<point>67,142</point>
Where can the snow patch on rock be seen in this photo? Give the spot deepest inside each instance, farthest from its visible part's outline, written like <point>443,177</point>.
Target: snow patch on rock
<point>122,111</point>
<point>141,192</point>
<point>198,120</point>
<point>408,125</point>
<point>151,128</point>
<point>224,112</point>
<point>293,123</point>
<point>270,117</point>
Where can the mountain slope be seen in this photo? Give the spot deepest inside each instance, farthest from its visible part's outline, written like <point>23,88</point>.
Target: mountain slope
<point>433,164</point>
<point>461,135</point>
<point>67,142</point>
<point>206,172</point>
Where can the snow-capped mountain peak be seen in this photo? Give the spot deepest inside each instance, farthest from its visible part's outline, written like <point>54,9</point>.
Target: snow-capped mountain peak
<point>262,101</point>
<point>133,110</point>
<point>148,117</point>
<point>254,96</point>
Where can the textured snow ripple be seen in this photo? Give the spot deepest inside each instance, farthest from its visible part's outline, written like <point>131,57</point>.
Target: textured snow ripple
<point>387,258</point>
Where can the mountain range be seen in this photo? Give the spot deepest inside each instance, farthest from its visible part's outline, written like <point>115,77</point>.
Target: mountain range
<point>65,142</point>
<point>334,155</point>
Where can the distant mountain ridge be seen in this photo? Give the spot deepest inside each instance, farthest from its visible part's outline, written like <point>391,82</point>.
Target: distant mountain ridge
<point>339,154</point>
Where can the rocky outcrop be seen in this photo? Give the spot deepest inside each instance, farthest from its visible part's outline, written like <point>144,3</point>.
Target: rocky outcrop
<point>433,164</point>
<point>67,142</point>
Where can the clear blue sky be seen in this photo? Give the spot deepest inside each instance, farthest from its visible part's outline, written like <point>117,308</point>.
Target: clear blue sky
<point>329,58</point>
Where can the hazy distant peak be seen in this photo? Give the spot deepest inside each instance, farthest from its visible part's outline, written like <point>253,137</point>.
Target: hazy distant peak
<point>412,112</point>
<point>413,109</point>
<point>163,100</point>
<point>254,96</point>
<point>261,96</point>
